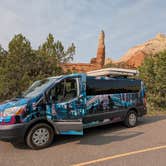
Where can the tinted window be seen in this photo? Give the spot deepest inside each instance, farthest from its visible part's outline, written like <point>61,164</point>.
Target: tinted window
<point>109,86</point>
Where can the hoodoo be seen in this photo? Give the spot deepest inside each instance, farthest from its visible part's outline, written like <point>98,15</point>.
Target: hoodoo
<point>95,63</point>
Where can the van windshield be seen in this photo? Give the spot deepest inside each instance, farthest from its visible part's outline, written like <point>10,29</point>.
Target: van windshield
<point>38,87</point>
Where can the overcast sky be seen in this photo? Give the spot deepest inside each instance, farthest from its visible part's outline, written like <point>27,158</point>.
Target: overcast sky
<point>125,22</point>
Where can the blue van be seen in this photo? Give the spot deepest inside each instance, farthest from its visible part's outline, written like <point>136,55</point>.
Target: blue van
<point>69,103</point>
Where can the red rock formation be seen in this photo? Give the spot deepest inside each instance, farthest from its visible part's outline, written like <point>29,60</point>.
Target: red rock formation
<point>136,59</point>
<point>79,67</point>
<point>95,63</point>
<point>135,56</point>
<point>100,58</point>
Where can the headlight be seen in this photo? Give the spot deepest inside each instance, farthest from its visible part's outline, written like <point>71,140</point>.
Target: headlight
<point>14,110</point>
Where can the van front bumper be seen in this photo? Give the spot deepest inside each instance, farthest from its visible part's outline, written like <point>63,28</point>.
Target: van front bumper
<point>12,132</point>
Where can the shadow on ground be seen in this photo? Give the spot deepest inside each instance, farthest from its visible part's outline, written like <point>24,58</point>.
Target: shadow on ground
<point>101,135</point>
<point>107,139</point>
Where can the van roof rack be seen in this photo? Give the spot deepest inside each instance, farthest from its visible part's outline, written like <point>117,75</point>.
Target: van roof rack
<point>114,72</point>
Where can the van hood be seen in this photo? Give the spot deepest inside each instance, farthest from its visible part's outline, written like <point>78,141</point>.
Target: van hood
<point>13,103</point>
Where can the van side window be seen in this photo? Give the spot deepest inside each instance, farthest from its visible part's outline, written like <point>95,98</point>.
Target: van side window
<point>59,91</point>
<point>70,91</point>
<point>56,93</point>
<point>64,91</point>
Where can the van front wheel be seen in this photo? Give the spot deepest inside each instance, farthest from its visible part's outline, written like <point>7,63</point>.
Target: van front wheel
<point>39,136</point>
<point>131,119</point>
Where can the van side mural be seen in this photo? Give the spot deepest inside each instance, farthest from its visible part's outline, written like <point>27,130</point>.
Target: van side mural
<point>111,102</point>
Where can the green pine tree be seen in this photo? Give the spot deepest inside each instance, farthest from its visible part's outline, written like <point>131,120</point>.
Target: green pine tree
<point>22,65</point>
<point>56,49</point>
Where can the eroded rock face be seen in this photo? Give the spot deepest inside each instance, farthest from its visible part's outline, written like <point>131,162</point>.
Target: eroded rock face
<point>137,59</point>
<point>100,59</point>
<point>135,56</point>
<point>79,67</point>
<point>95,63</point>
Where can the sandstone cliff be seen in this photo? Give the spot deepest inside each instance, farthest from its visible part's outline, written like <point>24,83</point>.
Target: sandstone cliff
<point>135,56</point>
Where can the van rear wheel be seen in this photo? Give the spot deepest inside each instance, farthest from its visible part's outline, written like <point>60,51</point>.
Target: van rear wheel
<point>40,136</point>
<point>131,119</point>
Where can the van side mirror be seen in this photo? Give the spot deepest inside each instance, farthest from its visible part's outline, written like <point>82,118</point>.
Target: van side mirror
<point>47,98</point>
<point>79,99</point>
<point>50,99</point>
<point>54,99</point>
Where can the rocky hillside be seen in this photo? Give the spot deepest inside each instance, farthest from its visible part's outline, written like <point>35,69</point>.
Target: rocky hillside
<point>135,56</point>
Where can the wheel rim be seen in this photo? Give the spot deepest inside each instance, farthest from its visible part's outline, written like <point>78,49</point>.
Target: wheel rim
<point>132,119</point>
<point>40,136</point>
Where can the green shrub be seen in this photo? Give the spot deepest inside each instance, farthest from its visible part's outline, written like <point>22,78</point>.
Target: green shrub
<point>153,73</point>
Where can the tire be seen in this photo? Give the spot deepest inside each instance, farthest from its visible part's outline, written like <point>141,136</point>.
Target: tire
<point>39,136</point>
<point>131,119</point>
